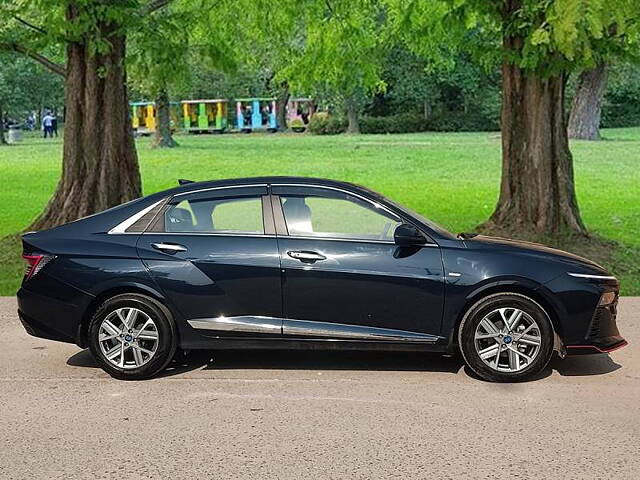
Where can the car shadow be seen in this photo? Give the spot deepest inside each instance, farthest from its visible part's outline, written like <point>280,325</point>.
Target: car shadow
<point>583,365</point>
<point>295,360</point>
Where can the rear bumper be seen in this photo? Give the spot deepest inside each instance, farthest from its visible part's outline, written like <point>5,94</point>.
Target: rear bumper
<point>46,316</point>
<point>38,329</point>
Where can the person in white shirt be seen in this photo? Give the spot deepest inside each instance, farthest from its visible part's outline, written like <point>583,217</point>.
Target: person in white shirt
<point>47,125</point>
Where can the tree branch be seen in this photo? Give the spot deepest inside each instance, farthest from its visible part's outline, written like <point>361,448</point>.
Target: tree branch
<point>154,5</point>
<point>41,59</point>
<point>30,25</point>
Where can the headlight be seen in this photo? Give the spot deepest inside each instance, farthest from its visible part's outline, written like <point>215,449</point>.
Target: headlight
<point>607,298</point>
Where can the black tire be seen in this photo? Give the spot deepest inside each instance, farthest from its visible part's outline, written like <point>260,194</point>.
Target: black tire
<point>167,336</point>
<point>475,314</point>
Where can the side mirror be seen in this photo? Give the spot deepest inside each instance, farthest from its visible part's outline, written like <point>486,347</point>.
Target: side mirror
<point>408,235</point>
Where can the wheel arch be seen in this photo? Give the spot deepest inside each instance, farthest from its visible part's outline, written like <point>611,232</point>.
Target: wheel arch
<point>112,291</point>
<point>535,292</point>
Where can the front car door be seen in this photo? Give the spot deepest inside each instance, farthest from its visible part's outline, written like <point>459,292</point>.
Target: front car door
<point>214,254</point>
<point>343,274</point>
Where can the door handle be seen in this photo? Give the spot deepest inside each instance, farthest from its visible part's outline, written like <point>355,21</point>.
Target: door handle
<point>306,257</point>
<point>169,247</point>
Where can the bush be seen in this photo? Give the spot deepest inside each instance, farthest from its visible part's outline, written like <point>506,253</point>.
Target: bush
<point>323,124</point>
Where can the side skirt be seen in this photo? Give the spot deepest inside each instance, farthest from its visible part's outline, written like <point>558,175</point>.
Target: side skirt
<point>270,332</point>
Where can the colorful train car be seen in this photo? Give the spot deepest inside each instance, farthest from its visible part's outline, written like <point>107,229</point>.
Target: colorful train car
<point>144,117</point>
<point>256,114</point>
<point>201,116</point>
<point>299,112</point>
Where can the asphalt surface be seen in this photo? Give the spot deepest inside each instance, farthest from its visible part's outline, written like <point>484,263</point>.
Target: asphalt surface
<point>315,415</point>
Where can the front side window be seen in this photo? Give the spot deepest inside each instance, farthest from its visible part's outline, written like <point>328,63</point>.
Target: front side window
<point>241,215</point>
<point>338,216</point>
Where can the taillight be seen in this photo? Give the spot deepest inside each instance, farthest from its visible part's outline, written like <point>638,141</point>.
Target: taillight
<point>35,263</point>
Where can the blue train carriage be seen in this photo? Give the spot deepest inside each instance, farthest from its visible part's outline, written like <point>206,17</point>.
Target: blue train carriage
<point>203,116</point>
<point>254,114</point>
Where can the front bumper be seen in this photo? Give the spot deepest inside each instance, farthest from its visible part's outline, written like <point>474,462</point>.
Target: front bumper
<point>603,335</point>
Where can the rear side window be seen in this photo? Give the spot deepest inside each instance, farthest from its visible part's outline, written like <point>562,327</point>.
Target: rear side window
<point>241,215</point>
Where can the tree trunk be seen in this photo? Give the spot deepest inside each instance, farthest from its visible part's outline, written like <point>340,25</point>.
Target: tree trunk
<point>586,108</point>
<point>537,191</point>
<point>100,164</point>
<point>353,126</point>
<point>281,105</point>
<point>3,141</point>
<point>163,137</point>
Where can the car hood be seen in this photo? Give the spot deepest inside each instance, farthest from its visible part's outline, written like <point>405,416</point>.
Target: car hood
<point>537,249</point>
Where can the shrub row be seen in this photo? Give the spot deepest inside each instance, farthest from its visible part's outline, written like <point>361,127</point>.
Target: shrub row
<point>403,123</point>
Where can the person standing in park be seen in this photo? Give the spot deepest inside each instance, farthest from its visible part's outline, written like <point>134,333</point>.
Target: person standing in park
<point>47,125</point>
<point>54,125</point>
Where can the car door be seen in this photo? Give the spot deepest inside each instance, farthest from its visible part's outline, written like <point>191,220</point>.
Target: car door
<point>214,254</point>
<point>344,275</point>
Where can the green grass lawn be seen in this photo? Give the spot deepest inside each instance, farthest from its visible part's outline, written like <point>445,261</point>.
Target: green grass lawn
<point>452,178</point>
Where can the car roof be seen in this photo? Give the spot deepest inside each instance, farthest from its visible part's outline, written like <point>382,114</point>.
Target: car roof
<point>188,187</point>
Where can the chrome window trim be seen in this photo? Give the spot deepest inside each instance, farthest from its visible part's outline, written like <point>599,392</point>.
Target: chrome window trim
<point>200,234</point>
<point>342,190</point>
<point>592,277</point>
<point>225,187</point>
<point>122,226</point>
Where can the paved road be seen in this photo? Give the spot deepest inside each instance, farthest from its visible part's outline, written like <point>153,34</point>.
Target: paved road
<point>315,415</point>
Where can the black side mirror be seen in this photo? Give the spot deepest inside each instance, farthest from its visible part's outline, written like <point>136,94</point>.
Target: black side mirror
<point>408,235</point>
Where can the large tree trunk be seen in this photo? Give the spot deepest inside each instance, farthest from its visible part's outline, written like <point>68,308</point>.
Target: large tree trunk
<point>586,108</point>
<point>353,126</point>
<point>163,137</point>
<point>281,105</point>
<point>100,164</point>
<point>537,192</point>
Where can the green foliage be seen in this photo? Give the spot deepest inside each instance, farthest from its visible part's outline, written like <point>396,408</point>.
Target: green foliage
<point>327,125</point>
<point>26,87</point>
<point>554,36</point>
<point>621,107</point>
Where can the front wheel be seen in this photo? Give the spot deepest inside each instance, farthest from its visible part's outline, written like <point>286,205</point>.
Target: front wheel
<point>506,337</point>
<point>132,336</point>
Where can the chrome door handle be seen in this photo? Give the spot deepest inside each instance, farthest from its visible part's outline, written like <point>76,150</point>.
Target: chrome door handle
<point>169,247</point>
<point>308,257</point>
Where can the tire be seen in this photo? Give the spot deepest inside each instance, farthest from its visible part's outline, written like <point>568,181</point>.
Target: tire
<point>497,353</point>
<point>158,339</point>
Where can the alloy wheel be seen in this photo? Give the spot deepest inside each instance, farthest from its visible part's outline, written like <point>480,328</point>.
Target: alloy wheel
<point>128,338</point>
<point>508,339</point>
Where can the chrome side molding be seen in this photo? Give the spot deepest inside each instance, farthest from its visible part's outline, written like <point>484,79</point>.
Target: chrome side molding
<point>354,332</point>
<point>246,324</point>
<point>307,328</point>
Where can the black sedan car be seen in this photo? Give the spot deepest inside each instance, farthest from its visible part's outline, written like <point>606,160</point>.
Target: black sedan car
<point>294,263</point>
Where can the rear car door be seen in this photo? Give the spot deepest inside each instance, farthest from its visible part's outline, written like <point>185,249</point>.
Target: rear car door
<point>342,266</point>
<point>214,254</point>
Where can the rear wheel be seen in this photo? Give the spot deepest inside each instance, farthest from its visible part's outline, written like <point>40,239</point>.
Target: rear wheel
<point>132,336</point>
<point>506,337</point>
